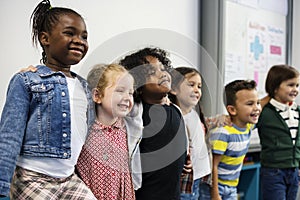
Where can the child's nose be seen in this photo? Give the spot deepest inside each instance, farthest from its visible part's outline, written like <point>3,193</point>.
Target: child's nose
<point>162,74</point>
<point>196,89</point>
<point>126,96</point>
<point>257,106</point>
<point>79,40</point>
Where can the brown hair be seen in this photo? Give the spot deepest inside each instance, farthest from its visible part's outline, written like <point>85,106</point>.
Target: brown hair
<point>179,74</point>
<point>233,87</point>
<point>276,75</point>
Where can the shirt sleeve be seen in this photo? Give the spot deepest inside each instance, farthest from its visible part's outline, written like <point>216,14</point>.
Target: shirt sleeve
<point>218,140</point>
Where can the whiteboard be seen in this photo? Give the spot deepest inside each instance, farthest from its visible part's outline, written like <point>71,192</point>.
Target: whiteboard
<point>254,40</point>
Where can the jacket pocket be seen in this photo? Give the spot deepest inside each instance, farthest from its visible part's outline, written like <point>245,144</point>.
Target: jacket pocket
<point>42,92</point>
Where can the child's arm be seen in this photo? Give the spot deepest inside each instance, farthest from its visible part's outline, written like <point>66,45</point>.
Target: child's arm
<point>264,101</point>
<point>214,190</point>
<point>217,121</point>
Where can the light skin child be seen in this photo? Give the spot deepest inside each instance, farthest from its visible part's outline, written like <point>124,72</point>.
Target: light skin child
<point>246,109</point>
<point>186,93</point>
<point>189,92</point>
<point>282,115</point>
<point>287,91</point>
<point>113,97</point>
<point>115,100</point>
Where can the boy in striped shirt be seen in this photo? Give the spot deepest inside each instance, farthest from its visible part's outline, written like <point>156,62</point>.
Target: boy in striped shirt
<point>230,143</point>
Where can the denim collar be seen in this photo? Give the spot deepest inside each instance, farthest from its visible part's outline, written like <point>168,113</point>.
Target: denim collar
<point>46,71</point>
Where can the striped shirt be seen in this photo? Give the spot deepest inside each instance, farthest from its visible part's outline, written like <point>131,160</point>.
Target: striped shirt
<point>232,143</point>
<point>289,114</point>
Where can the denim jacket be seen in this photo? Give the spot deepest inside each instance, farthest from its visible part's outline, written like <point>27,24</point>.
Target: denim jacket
<point>36,119</point>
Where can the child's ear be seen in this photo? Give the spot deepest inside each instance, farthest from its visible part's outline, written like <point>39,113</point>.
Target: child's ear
<point>96,96</point>
<point>231,110</point>
<point>43,38</point>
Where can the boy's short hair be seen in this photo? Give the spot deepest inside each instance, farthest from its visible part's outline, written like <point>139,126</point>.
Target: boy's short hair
<point>233,87</point>
<point>276,75</point>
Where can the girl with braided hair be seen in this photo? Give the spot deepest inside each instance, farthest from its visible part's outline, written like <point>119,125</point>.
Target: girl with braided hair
<point>45,117</point>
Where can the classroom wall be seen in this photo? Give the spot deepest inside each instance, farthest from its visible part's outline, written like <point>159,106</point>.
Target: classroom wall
<point>225,34</point>
<point>115,27</point>
<point>250,32</point>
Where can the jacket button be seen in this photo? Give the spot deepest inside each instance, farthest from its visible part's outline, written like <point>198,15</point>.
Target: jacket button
<point>65,154</point>
<point>65,135</point>
<point>64,114</point>
<point>105,157</point>
<point>63,94</point>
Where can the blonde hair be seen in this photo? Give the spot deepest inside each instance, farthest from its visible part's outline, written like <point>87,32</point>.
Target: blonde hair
<point>95,74</point>
<point>102,75</point>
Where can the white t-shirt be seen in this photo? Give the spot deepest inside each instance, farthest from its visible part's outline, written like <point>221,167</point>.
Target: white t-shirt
<point>62,168</point>
<point>199,153</point>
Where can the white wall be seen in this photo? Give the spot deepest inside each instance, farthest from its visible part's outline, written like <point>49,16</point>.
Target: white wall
<point>114,26</point>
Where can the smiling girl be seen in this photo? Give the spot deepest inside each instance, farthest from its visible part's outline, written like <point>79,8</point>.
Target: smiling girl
<point>104,160</point>
<point>163,146</point>
<point>278,129</point>
<point>44,120</point>
<point>186,93</point>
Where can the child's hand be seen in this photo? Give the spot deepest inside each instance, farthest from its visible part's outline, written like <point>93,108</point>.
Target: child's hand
<point>264,101</point>
<point>166,101</point>
<point>217,121</point>
<point>187,168</point>
<point>223,120</point>
<point>30,68</point>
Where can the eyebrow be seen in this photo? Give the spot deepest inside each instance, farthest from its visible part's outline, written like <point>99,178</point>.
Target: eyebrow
<point>74,29</point>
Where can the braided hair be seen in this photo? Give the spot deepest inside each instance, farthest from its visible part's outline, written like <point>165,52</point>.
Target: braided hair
<point>43,18</point>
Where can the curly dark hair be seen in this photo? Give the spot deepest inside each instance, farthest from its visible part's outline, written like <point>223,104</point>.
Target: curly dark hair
<point>140,68</point>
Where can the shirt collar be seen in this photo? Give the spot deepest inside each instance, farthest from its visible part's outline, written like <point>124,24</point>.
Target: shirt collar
<point>281,106</point>
<point>119,124</point>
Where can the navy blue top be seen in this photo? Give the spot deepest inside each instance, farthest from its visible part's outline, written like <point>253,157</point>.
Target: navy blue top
<point>163,152</point>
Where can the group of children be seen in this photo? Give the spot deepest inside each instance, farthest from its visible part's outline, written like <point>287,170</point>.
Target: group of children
<point>135,130</point>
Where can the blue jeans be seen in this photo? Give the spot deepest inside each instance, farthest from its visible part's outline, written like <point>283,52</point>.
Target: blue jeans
<point>279,184</point>
<point>298,194</point>
<point>227,192</point>
<point>204,191</point>
<point>194,195</point>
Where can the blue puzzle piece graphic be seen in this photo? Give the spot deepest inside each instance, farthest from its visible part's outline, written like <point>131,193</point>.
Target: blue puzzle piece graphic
<point>256,47</point>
